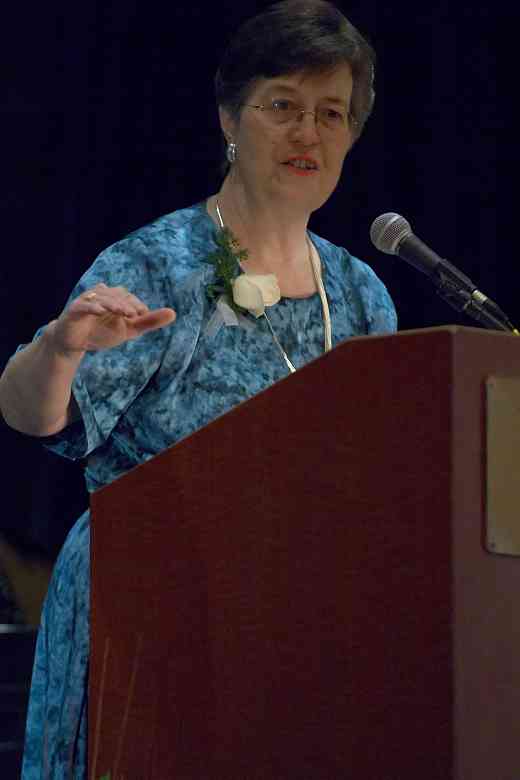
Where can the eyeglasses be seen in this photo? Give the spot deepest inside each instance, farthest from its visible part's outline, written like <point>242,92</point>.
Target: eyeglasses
<point>281,112</point>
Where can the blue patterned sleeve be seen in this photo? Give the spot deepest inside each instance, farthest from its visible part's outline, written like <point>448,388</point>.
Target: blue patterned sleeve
<point>108,381</point>
<point>379,308</point>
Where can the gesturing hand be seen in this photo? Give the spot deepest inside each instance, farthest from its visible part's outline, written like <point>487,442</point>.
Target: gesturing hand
<point>104,317</point>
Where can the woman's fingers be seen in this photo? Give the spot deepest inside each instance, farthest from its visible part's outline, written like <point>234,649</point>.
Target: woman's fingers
<point>152,320</point>
<point>133,302</point>
<point>103,317</point>
<point>102,300</point>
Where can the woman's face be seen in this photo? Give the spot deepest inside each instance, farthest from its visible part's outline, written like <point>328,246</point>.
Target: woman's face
<point>297,163</point>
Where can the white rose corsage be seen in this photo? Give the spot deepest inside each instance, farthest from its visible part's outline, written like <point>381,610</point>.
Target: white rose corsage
<point>242,294</point>
<point>255,291</point>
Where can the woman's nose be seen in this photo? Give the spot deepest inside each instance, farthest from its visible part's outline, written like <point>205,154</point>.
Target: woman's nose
<point>305,128</point>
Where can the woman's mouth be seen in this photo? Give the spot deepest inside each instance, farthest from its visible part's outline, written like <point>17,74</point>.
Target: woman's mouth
<point>302,165</point>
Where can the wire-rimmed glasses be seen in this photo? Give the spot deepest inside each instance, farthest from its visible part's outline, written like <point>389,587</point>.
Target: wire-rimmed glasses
<point>281,112</point>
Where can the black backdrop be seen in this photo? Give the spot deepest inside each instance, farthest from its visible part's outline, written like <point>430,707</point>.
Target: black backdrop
<point>109,121</point>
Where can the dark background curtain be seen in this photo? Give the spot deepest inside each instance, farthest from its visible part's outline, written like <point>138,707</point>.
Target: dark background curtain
<point>109,121</point>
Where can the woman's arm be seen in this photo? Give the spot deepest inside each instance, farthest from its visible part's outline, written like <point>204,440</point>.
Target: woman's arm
<point>35,388</point>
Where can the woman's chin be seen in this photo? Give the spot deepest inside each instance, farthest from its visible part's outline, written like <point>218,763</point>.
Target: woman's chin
<point>299,192</point>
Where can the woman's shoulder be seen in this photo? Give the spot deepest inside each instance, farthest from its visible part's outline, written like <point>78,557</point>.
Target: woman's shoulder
<point>173,246</point>
<point>338,259</point>
<point>158,261</point>
<point>354,278</point>
<point>176,224</point>
<point>184,236</point>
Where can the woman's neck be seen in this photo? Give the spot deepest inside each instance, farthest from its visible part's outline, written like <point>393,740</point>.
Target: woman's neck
<point>276,240</point>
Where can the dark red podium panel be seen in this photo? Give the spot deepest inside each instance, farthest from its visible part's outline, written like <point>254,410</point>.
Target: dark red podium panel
<point>300,590</point>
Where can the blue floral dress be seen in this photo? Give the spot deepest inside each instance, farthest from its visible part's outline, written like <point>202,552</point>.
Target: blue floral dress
<point>139,398</point>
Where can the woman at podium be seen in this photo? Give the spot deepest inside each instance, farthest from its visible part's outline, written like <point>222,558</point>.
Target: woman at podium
<point>188,316</point>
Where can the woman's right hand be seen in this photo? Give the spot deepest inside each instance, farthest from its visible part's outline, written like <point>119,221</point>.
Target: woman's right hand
<point>35,387</point>
<point>104,317</point>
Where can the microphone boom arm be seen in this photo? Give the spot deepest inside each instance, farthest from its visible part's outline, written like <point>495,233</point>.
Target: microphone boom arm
<point>453,286</point>
<point>462,299</point>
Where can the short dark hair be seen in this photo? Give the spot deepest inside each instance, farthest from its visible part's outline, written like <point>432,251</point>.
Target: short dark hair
<point>296,36</point>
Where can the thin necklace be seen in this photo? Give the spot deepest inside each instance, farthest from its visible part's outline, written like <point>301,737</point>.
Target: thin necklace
<point>316,269</point>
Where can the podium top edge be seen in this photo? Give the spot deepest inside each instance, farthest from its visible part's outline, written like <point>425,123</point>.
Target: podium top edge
<point>451,330</point>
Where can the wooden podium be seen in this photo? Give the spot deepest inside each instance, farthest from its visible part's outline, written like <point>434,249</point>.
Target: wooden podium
<point>302,589</point>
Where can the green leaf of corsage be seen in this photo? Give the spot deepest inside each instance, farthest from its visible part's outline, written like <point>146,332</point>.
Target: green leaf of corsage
<point>226,259</point>
<point>243,293</point>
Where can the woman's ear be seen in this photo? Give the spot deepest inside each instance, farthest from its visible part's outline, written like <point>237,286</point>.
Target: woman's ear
<point>227,124</point>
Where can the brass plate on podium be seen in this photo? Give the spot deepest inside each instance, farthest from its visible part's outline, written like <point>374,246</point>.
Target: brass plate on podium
<point>503,465</point>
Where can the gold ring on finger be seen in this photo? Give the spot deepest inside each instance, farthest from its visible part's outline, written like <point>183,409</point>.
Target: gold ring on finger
<point>90,296</point>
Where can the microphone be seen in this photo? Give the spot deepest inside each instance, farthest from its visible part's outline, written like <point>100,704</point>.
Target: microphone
<point>391,233</point>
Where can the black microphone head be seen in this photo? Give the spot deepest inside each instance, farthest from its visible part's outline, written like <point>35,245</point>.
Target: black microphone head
<point>387,232</point>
